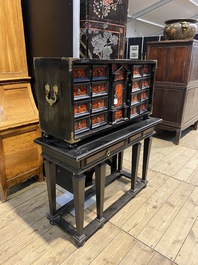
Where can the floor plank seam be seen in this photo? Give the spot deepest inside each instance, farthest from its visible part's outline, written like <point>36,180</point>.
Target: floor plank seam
<point>154,250</point>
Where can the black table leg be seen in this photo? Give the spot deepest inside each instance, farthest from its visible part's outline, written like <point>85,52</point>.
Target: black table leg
<point>146,155</point>
<point>50,171</point>
<point>113,164</point>
<point>100,171</point>
<point>79,199</point>
<point>134,164</point>
<point>120,160</point>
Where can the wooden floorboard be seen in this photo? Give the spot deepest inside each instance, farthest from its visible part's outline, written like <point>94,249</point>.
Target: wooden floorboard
<point>158,227</point>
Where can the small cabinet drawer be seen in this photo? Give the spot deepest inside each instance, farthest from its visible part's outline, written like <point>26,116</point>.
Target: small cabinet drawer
<point>144,107</point>
<point>135,98</point>
<point>81,108</point>
<point>100,88</point>
<point>145,83</point>
<point>81,91</point>
<point>105,153</point>
<point>136,85</point>
<point>137,71</point>
<point>146,70</point>
<point>82,125</point>
<point>138,136</point>
<point>134,111</point>
<point>99,119</point>
<point>100,72</point>
<point>81,73</point>
<point>99,104</point>
<point>144,95</point>
<point>119,115</point>
<point>135,137</point>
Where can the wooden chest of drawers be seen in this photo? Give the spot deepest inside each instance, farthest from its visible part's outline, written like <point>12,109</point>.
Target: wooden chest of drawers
<point>81,97</point>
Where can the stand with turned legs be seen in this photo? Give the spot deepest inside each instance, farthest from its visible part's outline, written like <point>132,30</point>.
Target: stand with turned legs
<point>93,155</point>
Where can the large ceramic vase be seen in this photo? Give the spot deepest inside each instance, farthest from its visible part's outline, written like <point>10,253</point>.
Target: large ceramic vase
<point>180,29</point>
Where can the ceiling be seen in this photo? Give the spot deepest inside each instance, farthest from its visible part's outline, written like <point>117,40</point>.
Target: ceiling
<point>146,18</point>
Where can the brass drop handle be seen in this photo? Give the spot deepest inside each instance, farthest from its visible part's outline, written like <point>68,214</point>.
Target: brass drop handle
<point>50,100</point>
<point>108,153</point>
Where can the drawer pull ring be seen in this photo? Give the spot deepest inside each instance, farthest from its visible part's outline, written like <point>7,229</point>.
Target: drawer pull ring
<point>52,100</point>
<point>108,153</point>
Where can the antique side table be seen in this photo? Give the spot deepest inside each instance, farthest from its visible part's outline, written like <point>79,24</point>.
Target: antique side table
<point>92,156</point>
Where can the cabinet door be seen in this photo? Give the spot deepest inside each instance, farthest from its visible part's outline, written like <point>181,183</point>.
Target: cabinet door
<point>172,62</point>
<point>13,63</point>
<point>159,54</point>
<point>177,62</point>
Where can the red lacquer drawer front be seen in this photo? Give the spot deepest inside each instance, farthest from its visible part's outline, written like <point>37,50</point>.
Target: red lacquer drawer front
<point>136,85</point>
<point>99,119</point>
<point>81,91</point>
<point>144,107</point>
<point>119,115</point>
<point>134,111</point>
<point>118,94</point>
<point>137,71</point>
<point>135,98</point>
<point>99,104</point>
<point>81,125</point>
<point>144,95</point>
<point>145,83</point>
<point>99,88</point>
<point>81,108</point>
<point>146,70</point>
<point>100,72</point>
<point>81,72</point>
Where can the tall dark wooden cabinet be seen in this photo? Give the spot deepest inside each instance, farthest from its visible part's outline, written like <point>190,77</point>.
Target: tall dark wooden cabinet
<point>176,85</point>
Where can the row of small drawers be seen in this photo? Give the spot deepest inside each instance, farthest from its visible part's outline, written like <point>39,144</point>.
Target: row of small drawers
<point>89,122</point>
<point>116,72</point>
<point>95,89</point>
<point>101,103</point>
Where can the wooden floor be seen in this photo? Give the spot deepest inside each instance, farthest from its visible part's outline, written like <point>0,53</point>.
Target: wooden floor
<point>158,227</point>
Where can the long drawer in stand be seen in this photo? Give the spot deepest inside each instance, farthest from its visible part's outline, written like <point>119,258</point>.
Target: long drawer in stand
<point>78,98</point>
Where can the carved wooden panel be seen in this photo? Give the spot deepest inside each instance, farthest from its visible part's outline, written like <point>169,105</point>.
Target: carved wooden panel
<point>103,28</point>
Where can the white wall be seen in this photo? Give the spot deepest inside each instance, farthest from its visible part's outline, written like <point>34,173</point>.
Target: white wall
<point>137,28</point>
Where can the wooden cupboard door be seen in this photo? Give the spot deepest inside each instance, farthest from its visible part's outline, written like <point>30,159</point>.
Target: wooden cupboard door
<point>157,53</point>
<point>172,62</point>
<point>13,64</point>
<point>177,64</point>
<point>168,104</point>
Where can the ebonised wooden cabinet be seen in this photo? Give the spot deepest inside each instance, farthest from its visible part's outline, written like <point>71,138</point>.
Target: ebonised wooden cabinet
<point>81,97</point>
<point>176,86</point>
